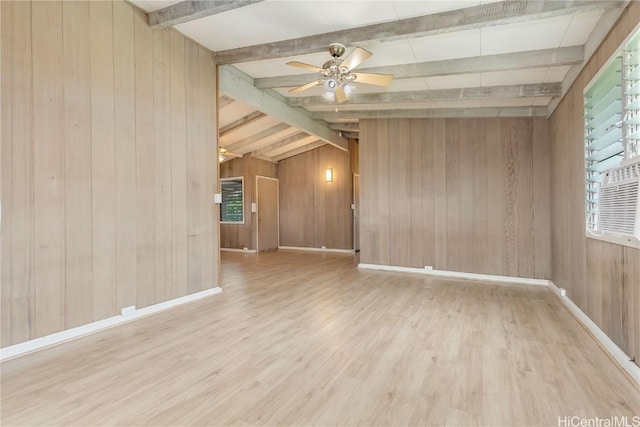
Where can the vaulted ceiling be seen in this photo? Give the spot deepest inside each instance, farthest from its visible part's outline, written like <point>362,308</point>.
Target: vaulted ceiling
<point>469,58</point>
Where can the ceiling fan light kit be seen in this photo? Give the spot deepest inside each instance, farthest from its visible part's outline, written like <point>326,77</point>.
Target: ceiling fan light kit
<point>336,74</point>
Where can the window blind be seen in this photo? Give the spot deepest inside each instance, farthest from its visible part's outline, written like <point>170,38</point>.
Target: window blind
<point>232,206</point>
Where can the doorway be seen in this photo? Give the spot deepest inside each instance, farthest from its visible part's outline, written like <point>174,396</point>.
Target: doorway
<point>356,212</point>
<point>268,234</point>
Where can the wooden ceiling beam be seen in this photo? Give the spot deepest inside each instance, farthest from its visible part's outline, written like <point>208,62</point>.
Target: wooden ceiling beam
<point>542,58</point>
<point>247,142</point>
<point>239,86</point>
<point>351,135</point>
<point>279,144</point>
<point>241,122</point>
<point>491,14</point>
<point>345,127</point>
<point>225,100</point>
<point>419,113</point>
<point>299,150</point>
<point>189,10</point>
<point>461,94</point>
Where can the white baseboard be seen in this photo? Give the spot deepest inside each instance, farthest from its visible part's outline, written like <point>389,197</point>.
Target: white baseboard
<point>90,328</point>
<point>606,343</point>
<point>244,251</point>
<point>457,274</point>
<point>300,248</point>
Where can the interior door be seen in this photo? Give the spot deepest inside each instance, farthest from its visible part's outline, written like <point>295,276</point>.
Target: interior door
<point>356,212</point>
<point>267,192</point>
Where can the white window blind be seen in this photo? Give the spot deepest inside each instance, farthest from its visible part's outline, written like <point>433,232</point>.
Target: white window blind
<point>232,206</point>
<point>611,113</point>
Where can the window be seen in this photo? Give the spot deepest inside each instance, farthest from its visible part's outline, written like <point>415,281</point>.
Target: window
<point>232,206</point>
<point>612,120</point>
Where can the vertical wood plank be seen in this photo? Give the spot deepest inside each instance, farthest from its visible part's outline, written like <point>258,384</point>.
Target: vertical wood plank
<point>209,177</point>
<point>178,166</point>
<point>48,138</point>
<point>541,176</point>
<point>524,201</point>
<point>495,191</point>
<point>480,249</point>
<point>369,198</point>
<point>452,173</point>
<point>440,188</point>
<point>194,158</point>
<point>382,174</point>
<point>22,273</point>
<point>421,195</point>
<point>509,219</point>
<point>77,163</point>
<point>145,162</point>
<point>467,145</point>
<point>161,49</point>
<point>399,191</point>
<point>631,298</point>
<point>125,154</point>
<point>103,159</point>
<point>6,172</point>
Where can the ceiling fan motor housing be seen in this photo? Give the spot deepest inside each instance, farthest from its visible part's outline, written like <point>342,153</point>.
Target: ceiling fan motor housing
<point>336,50</point>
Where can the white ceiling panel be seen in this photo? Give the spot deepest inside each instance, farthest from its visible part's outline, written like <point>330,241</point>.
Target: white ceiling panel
<point>264,22</point>
<point>411,8</point>
<point>292,146</point>
<point>540,34</point>
<point>580,27</point>
<point>342,15</point>
<point>233,112</point>
<point>248,130</point>
<point>446,46</point>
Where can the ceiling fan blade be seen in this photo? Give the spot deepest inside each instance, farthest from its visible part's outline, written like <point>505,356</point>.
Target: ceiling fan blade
<point>355,58</point>
<point>373,79</point>
<point>225,152</point>
<point>341,95</point>
<point>305,87</point>
<point>305,66</point>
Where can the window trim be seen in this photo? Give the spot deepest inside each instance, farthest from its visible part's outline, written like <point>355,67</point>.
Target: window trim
<point>232,178</point>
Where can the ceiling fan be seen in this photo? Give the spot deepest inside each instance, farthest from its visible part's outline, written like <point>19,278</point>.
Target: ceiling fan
<point>335,74</point>
<point>224,154</point>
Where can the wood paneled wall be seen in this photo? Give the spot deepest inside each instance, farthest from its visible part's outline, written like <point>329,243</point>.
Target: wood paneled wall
<point>467,195</point>
<point>315,213</point>
<point>108,165</point>
<point>603,279</point>
<point>238,236</point>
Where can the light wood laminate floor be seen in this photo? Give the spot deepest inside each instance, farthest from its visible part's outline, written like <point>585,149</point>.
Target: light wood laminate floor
<point>306,339</point>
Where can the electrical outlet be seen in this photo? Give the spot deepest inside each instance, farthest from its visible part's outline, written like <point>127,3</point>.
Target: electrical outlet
<point>245,249</point>
<point>428,267</point>
<point>127,311</point>
<point>563,292</point>
<point>324,248</point>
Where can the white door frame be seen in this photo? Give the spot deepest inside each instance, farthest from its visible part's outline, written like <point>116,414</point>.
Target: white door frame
<point>258,209</point>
